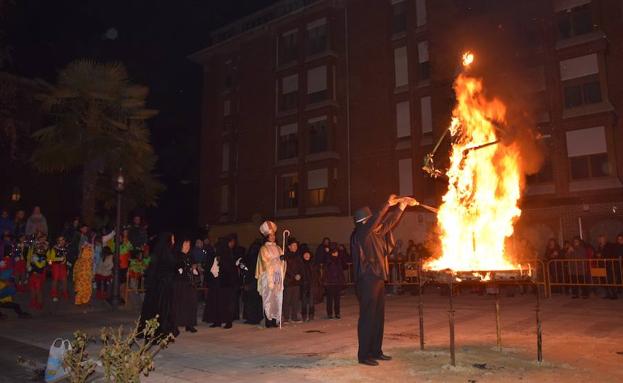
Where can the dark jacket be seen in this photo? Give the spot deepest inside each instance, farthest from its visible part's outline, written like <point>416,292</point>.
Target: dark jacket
<point>227,275</point>
<point>312,285</point>
<point>334,271</point>
<point>294,267</point>
<point>371,243</point>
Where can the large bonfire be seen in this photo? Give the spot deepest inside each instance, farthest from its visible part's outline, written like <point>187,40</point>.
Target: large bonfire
<point>481,205</point>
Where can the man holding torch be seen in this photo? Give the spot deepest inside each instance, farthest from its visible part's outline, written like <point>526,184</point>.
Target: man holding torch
<point>371,243</point>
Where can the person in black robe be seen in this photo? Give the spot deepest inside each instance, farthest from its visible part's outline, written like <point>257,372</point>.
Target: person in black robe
<point>252,311</point>
<point>311,288</point>
<point>159,278</point>
<point>371,243</point>
<point>292,283</point>
<point>238,256</point>
<point>221,274</point>
<point>184,292</point>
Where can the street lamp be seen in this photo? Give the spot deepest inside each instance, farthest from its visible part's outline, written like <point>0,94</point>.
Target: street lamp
<point>115,299</point>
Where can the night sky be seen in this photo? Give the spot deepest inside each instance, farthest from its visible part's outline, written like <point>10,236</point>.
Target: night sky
<point>153,39</point>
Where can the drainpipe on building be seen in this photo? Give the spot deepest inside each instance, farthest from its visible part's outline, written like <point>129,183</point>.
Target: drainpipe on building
<point>347,109</point>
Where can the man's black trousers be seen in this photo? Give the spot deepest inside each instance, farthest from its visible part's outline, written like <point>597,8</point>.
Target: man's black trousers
<point>371,295</point>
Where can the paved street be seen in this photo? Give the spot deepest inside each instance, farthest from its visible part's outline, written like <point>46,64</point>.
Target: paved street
<point>581,344</point>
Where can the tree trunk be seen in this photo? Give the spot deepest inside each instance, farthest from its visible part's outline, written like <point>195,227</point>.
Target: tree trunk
<point>89,180</point>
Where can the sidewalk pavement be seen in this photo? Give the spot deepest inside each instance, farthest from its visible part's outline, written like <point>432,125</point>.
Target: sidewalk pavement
<point>581,344</point>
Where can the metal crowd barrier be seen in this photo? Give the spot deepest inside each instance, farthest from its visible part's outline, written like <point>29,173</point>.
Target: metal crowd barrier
<point>585,273</point>
<point>557,273</point>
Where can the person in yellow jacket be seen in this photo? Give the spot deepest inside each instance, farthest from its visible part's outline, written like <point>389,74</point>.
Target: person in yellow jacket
<point>83,275</point>
<point>57,259</point>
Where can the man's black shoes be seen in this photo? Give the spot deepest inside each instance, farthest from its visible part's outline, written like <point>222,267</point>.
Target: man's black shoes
<point>382,357</point>
<point>369,362</point>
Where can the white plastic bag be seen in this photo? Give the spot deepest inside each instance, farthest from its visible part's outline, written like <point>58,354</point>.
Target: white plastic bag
<point>54,370</point>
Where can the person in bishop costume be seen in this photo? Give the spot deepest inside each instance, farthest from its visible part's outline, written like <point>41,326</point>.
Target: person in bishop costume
<point>270,272</point>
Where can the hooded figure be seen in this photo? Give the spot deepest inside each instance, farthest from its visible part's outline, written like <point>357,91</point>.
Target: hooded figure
<point>159,279</point>
<point>270,272</point>
<point>222,278</point>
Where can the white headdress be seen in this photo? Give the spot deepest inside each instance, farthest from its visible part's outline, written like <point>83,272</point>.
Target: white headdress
<point>268,227</point>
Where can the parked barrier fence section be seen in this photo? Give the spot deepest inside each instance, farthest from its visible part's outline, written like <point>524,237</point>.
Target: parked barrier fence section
<point>556,274</point>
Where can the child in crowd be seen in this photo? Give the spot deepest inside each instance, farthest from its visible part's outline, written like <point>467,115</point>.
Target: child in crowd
<point>334,281</point>
<point>103,273</point>
<point>18,254</point>
<point>57,258</point>
<point>37,268</point>
<point>83,275</point>
<point>138,265</point>
<point>7,290</point>
<point>125,249</point>
<point>311,289</point>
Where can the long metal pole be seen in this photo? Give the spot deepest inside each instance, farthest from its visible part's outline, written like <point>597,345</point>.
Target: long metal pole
<point>421,303</point>
<point>116,297</point>
<point>539,329</point>
<point>498,326</point>
<point>451,320</point>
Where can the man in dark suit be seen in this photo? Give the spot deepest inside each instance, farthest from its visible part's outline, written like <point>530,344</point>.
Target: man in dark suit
<point>371,242</point>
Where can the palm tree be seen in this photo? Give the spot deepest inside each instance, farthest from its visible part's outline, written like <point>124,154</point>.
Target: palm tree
<point>98,125</point>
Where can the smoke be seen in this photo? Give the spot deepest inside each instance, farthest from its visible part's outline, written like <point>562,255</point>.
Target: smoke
<point>503,35</point>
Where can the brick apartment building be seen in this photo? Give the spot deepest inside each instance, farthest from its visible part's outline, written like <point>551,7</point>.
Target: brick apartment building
<point>312,109</point>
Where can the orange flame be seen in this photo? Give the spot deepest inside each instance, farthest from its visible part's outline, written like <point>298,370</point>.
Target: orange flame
<point>467,59</point>
<point>480,207</point>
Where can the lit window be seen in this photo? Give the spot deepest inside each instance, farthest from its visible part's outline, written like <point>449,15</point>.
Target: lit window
<point>317,185</point>
<point>289,191</point>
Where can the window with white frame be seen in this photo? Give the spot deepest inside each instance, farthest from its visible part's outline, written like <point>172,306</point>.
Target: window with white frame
<point>405,176</point>
<point>401,67</point>
<point>318,135</point>
<point>588,153</point>
<point>288,47</point>
<point>426,114</point>
<point>423,61</point>
<point>289,92</point>
<point>317,84</point>
<point>580,81</point>
<point>573,18</point>
<point>403,119</point>
<point>317,186</point>
<point>317,37</point>
<point>288,142</point>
